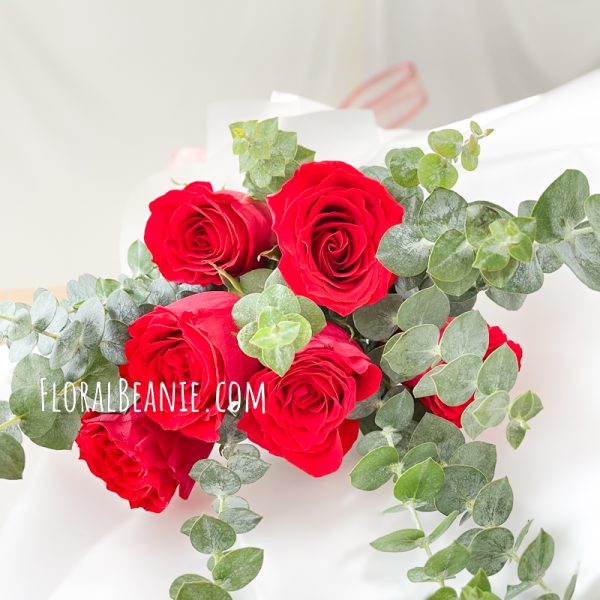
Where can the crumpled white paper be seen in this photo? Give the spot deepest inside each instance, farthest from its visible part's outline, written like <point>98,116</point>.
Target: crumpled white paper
<point>64,537</point>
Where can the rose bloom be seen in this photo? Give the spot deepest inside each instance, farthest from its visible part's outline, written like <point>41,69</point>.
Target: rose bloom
<point>305,418</point>
<point>497,338</point>
<point>137,459</point>
<point>192,341</point>
<point>329,219</point>
<point>191,228</point>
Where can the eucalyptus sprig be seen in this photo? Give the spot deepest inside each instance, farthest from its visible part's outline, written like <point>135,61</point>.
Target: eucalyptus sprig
<point>76,346</point>
<point>230,569</point>
<point>268,156</point>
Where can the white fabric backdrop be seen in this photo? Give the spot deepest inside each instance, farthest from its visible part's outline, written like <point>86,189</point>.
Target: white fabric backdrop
<point>85,541</point>
<point>95,95</point>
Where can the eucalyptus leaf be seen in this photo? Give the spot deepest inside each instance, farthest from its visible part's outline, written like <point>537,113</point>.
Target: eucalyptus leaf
<point>374,469</point>
<point>493,504</point>
<point>238,568</point>
<point>455,382</point>
<point>490,550</point>
<point>412,352</point>
<point>399,541</point>
<point>499,371</point>
<point>536,558</point>
<point>209,535</point>
<point>12,457</point>
<point>430,305</point>
<point>466,334</point>
<point>441,211</point>
<point>404,251</point>
<point>420,484</point>
<point>378,321</point>
<point>451,257</point>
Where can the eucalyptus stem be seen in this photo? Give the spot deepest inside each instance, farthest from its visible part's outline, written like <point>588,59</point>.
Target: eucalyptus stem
<point>36,329</point>
<point>9,423</point>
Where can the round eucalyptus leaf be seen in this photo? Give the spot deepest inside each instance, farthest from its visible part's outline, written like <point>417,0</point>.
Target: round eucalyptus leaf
<point>214,478</point>
<point>279,359</point>
<point>490,550</point>
<point>12,457</point>
<point>91,314</point>
<point>455,383</point>
<point>412,352</point>
<point>279,296</point>
<point>447,562</point>
<point>499,371</point>
<point>466,334</point>
<point>492,409</point>
<point>404,251</point>
<point>122,307</point>
<point>493,255</point>
<point>592,212</point>
<point>245,311</point>
<point>561,207</point>
<point>426,385</point>
<point>209,535</point>
<point>477,223</point>
<point>582,255</point>
<point>420,484</point>
<point>430,305</point>
<point>238,568</point>
<point>403,164</point>
<point>441,211</point>
<point>374,469</point>
<point>181,580</point>
<point>419,454</point>
<point>434,171</point>
<point>248,468</point>
<point>23,347</point>
<point>462,484</point>
<point>536,558</point>
<point>254,281</point>
<point>451,258</point>
<point>201,590</point>
<point>444,434</point>
<point>241,520</point>
<point>479,455</point>
<point>113,341</point>
<point>493,504</point>
<point>399,541</point>
<point>244,336</point>
<point>515,432</point>
<point>312,313</point>
<point>397,412</point>
<point>378,321</point>
<point>139,259</point>
<point>43,309</point>
<point>526,406</point>
<point>446,142</point>
<point>506,300</point>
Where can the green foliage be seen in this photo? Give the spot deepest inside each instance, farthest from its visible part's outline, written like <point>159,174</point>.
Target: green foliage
<point>275,324</point>
<point>231,569</point>
<point>267,155</point>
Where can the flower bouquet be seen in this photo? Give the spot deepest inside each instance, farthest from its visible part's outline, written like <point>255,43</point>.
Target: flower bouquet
<point>324,309</point>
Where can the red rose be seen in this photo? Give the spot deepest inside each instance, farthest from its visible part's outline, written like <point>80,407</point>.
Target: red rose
<point>137,459</point>
<point>454,413</point>
<point>305,418</point>
<point>192,341</point>
<point>193,227</point>
<point>329,219</point>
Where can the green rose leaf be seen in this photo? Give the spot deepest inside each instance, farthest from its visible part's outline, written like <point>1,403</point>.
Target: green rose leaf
<point>12,457</point>
<point>404,251</point>
<point>447,562</point>
<point>493,504</point>
<point>214,478</point>
<point>499,371</point>
<point>537,558</point>
<point>455,382</point>
<point>399,541</point>
<point>378,321</point>
<point>428,306</point>
<point>374,469</point>
<point>490,550</point>
<point>403,164</point>
<point>238,568</point>
<point>451,258</point>
<point>466,334</point>
<point>434,171</point>
<point>561,207</point>
<point>209,535</point>
<point>413,351</point>
<point>441,211</point>
<point>446,142</point>
<point>420,484</point>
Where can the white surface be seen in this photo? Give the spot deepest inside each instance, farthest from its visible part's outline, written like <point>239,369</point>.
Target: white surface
<point>84,541</point>
<point>97,94</point>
